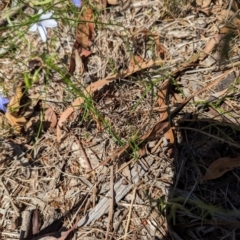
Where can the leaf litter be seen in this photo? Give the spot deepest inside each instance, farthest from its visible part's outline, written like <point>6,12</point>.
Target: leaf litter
<point>140,102</point>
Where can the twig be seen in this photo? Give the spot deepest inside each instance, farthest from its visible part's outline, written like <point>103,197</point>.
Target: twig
<point>111,205</point>
<point>83,151</point>
<point>81,148</point>
<point>154,149</point>
<point>229,8</point>
<point>119,222</point>
<point>94,193</point>
<point>76,213</point>
<point>130,213</point>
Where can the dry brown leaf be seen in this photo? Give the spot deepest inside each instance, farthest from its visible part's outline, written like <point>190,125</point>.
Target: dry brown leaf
<point>113,2</point>
<point>159,48</point>
<point>190,62</point>
<point>162,100</point>
<point>210,45</point>
<point>162,96</point>
<point>89,18</point>
<point>159,129</point>
<point>85,53</point>
<point>169,135</point>
<point>50,116</point>
<point>14,103</point>
<point>136,60</point>
<point>221,166</point>
<point>97,86</point>
<point>4,125</point>
<point>82,35</point>
<point>78,61</point>
<point>12,111</point>
<point>203,3</point>
<point>85,29</point>
<point>16,122</point>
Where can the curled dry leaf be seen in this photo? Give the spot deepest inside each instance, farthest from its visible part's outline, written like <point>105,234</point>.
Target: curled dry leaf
<point>4,125</point>
<point>17,122</point>
<point>82,35</point>
<point>85,29</point>
<point>221,166</point>
<point>50,116</point>
<point>97,86</point>
<point>14,103</point>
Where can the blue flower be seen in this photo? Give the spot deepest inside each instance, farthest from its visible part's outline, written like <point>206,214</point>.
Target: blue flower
<point>3,102</point>
<point>77,3</point>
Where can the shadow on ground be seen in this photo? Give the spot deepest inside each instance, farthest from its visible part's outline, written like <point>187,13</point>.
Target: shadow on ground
<point>209,209</point>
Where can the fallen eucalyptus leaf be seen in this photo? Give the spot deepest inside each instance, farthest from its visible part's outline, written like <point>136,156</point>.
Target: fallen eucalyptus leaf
<point>221,166</point>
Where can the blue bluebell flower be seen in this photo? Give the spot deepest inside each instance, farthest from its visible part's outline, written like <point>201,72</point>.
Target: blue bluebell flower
<point>77,3</point>
<point>3,102</point>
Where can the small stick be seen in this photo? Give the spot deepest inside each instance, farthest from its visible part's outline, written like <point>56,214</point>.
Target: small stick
<point>111,205</point>
<point>82,149</point>
<point>229,8</point>
<point>84,153</point>
<point>130,213</point>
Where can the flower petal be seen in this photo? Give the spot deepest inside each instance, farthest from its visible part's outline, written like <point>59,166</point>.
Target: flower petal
<point>33,28</point>
<point>46,15</point>
<point>40,11</point>
<point>3,101</point>
<point>77,3</point>
<point>43,32</point>
<point>50,23</point>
